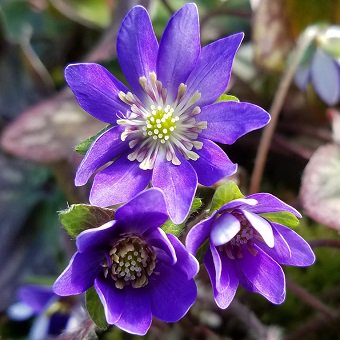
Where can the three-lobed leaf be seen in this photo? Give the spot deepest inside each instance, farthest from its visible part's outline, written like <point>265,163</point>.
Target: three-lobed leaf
<point>79,217</point>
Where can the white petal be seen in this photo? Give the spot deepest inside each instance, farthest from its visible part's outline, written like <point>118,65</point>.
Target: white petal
<point>261,226</point>
<point>224,229</point>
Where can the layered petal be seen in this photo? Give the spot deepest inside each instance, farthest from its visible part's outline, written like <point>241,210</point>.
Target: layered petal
<point>103,150</point>
<point>172,294</point>
<point>221,278</point>
<point>301,252</point>
<point>269,203</point>
<point>186,262</point>
<point>137,48</point>
<point>136,314</point>
<point>96,90</point>
<point>79,275</point>
<point>262,226</point>
<point>228,121</point>
<point>198,234</point>
<point>226,294</point>
<point>96,238</point>
<point>118,182</point>
<point>325,74</point>
<point>211,73</point>
<point>241,203</point>
<point>178,183</point>
<point>113,299</point>
<point>179,48</point>
<point>145,211</point>
<point>261,274</point>
<point>213,164</point>
<point>157,238</point>
<point>224,229</point>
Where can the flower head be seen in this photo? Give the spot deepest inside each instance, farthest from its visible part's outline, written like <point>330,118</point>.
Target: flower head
<point>54,314</point>
<point>163,128</point>
<point>137,270</point>
<point>247,249</point>
<point>321,66</point>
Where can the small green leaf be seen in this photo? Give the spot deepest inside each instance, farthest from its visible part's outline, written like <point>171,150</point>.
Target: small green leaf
<point>224,194</point>
<point>283,217</point>
<point>176,229</point>
<point>95,308</point>
<point>79,217</point>
<point>83,146</point>
<point>227,98</point>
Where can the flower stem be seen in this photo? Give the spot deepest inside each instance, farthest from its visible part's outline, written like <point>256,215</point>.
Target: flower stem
<point>280,96</point>
<point>309,299</point>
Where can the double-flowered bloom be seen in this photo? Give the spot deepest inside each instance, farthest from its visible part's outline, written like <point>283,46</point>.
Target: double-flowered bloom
<point>137,270</point>
<point>247,249</point>
<point>164,127</point>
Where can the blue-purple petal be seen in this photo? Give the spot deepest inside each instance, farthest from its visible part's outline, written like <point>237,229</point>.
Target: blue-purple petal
<point>118,182</point>
<point>112,299</point>
<point>172,294</point>
<point>325,74</point>
<point>198,234</point>
<point>301,253</point>
<point>35,296</point>
<point>186,262</point>
<point>178,183</point>
<point>179,48</point>
<point>269,203</point>
<point>103,150</point>
<point>158,238</point>
<point>79,275</point>
<point>211,73</point>
<point>96,238</point>
<point>137,48</point>
<point>145,211</point>
<point>262,275</point>
<point>302,77</point>
<point>224,297</point>
<point>96,90</point>
<point>213,164</point>
<point>224,228</point>
<point>136,314</point>
<point>228,121</point>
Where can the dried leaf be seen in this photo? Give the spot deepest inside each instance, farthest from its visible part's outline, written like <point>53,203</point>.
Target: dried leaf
<point>320,189</point>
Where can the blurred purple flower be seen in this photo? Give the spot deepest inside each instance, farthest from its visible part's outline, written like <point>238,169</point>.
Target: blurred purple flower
<point>247,249</point>
<point>54,314</point>
<point>163,130</point>
<point>323,71</point>
<point>137,270</point>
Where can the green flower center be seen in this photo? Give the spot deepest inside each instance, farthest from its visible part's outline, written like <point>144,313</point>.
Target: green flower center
<point>160,123</point>
<point>131,262</point>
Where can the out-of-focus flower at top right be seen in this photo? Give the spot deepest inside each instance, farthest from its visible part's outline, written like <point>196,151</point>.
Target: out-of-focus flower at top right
<point>320,65</point>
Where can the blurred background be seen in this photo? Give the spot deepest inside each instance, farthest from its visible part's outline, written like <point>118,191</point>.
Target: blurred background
<point>40,123</point>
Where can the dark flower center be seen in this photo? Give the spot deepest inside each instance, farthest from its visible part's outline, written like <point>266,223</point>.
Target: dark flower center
<point>244,238</point>
<point>130,262</point>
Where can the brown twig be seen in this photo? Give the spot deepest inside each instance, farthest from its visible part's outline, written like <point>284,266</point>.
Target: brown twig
<point>309,299</point>
<point>275,109</point>
<point>325,243</point>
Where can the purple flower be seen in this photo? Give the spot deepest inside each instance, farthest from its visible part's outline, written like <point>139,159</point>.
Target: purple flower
<point>137,270</point>
<point>247,249</point>
<point>54,315</point>
<point>164,130</point>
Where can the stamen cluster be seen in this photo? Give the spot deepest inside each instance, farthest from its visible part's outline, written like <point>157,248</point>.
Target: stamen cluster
<point>130,262</point>
<point>161,126</point>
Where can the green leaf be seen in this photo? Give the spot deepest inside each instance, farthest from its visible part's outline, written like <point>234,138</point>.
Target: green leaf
<point>176,229</point>
<point>224,194</point>
<point>227,98</point>
<point>283,217</point>
<point>95,308</point>
<point>83,146</point>
<point>79,217</point>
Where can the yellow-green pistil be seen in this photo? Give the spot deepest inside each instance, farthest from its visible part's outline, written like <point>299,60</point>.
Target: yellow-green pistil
<point>160,127</point>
